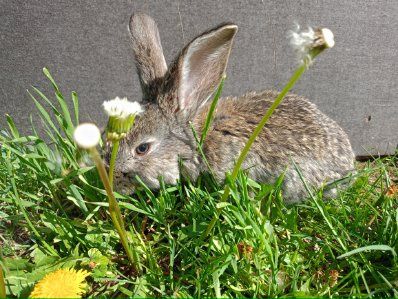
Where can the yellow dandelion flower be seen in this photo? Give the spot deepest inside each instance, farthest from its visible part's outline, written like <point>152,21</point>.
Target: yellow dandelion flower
<point>62,283</point>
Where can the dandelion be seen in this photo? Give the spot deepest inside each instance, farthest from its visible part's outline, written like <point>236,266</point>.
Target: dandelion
<point>121,114</point>
<point>62,283</point>
<point>121,118</point>
<point>307,44</point>
<point>87,136</point>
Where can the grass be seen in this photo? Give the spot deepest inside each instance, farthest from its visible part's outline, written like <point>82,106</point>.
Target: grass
<point>53,214</point>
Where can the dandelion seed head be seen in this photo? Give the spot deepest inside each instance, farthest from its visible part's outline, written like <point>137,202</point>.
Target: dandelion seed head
<point>121,114</point>
<point>304,42</point>
<point>87,135</point>
<point>122,108</point>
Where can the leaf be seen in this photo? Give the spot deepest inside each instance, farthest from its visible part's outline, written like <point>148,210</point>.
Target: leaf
<point>44,97</point>
<point>221,205</point>
<point>44,115</point>
<point>25,139</point>
<point>243,228</point>
<point>41,259</point>
<point>75,101</point>
<point>48,75</point>
<point>65,113</point>
<point>216,284</point>
<point>131,207</point>
<point>17,264</point>
<point>11,125</point>
<point>24,203</point>
<point>77,198</point>
<point>368,248</point>
<point>210,114</point>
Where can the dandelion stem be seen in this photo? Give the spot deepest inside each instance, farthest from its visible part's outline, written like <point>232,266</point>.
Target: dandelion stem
<point>115,149</point>
<point>114,209</point>
<point>295,77</point>
<point>264,120</point>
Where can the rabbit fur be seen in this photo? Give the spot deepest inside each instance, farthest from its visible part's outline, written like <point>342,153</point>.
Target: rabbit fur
<point>178,96</point>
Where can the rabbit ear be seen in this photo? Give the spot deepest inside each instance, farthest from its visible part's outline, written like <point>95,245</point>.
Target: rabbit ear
<point>148,53</point>
<point>201,67</point>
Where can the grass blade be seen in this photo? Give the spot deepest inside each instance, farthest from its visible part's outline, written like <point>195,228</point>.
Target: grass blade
<point>11,125</point>
<point>75,101</point>
<point>64,107</point>
<point>210,114</point>
<point>369,248</point>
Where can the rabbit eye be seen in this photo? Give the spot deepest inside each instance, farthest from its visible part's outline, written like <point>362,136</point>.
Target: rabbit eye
<point>142,149</point>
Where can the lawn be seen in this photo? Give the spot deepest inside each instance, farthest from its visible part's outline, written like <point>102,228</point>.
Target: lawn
<point>54,214</point>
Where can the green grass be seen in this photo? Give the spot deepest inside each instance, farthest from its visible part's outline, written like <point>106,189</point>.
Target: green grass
<point>53,214</point>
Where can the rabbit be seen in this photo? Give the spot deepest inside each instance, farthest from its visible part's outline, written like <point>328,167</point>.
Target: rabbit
<point>179,97</point>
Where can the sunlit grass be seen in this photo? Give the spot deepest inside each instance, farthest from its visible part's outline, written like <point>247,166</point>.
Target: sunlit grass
<point>53,214</point>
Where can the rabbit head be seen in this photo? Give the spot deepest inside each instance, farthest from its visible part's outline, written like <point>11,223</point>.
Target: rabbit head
<point>162,136</point>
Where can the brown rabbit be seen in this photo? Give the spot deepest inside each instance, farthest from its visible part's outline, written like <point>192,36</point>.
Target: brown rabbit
<point>174,97</point>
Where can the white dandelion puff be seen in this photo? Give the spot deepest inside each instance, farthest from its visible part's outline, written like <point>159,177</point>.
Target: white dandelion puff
<point>122,108</point>
<point>121,114</point>
<point>308,43</point>
<point>87,135</point>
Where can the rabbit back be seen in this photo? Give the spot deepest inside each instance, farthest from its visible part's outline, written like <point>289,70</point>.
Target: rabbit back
<point>297,133</point>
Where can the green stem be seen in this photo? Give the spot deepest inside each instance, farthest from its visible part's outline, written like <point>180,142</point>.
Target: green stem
<point>2,284</point>
<point>297,74</point>
<point>264,120</point>
<point>115,149</point>
<point>114,209</point>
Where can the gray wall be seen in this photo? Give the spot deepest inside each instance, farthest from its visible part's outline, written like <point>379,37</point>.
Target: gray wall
<point>85,44</point>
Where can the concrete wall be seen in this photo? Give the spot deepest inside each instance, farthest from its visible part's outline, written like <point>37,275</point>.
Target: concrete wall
<point>85,44</point>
